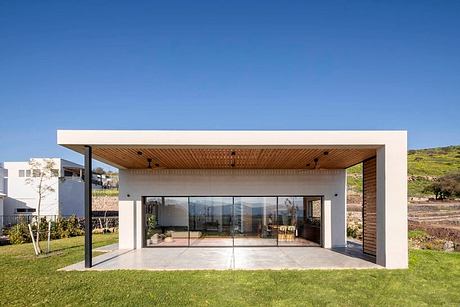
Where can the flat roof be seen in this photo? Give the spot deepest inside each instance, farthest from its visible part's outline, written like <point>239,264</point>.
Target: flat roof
<point>229,149</point>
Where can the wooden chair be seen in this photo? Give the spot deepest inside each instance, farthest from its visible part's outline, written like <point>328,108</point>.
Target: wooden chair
<point>282,233</point>
<point>290,233</point>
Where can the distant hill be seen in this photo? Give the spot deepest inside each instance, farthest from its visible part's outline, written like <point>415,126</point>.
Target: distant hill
<point>424,166</point>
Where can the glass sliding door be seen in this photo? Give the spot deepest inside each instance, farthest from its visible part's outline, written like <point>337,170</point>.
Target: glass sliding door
<point>297,224</point>
<point>166,221</point>
<point>211,221</point>
<point>312,219</point>
<point>255,221</point>
<point>232,221</point>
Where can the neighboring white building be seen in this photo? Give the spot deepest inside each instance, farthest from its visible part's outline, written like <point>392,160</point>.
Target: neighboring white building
<point>21,198</point>
<point>2,193</point>
<point>103,181</point>
<point>253,188</point>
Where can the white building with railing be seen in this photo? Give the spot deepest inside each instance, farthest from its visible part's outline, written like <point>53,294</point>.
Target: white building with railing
<point>19,183</point>
<point>2,193</point>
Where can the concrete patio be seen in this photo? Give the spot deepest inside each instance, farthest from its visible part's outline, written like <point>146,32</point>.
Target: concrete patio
<point>238,258</point>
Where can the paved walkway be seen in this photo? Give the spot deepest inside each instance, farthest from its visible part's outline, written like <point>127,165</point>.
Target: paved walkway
<point>223,258</point>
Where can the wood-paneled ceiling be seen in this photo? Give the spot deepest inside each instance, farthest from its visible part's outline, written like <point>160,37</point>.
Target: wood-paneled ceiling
<point>232,158</point>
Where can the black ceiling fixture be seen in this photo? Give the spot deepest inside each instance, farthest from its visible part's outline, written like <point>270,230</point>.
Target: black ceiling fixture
<point>139,153</point>
<point>315,164</point>
<point>326,153</point>
<point>232,162</point>
<point>150,163</point>
<point>316,160</point>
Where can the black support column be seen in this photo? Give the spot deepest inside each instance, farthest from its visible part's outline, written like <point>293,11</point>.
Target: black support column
<point>88,207</point>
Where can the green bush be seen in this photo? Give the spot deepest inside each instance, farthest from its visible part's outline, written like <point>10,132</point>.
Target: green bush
<point>66,228</point>
<point>61,228</point>
<point>18,234</point>
<point>354,230</point>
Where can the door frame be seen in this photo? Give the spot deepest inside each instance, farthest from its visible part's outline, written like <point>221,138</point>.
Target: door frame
<point>143,198</point>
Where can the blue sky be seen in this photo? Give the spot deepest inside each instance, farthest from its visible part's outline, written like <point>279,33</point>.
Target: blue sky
<point>226,65</point>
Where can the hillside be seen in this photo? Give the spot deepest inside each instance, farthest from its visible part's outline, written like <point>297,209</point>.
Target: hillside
<point>424,166</point>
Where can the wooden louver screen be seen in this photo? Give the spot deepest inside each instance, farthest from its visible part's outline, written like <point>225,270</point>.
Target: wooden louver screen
<point>370,206</point>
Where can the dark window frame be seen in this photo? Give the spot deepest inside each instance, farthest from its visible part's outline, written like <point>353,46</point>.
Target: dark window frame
<point>321,197</point>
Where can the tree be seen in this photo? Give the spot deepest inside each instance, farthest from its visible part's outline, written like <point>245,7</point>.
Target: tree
<point>43,171</point>
<point>445,187</point>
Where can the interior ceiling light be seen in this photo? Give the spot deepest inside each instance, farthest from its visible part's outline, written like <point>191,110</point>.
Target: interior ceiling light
<point>326,153</point>
<point>316,160</point>
<point>139,153</point>
<point>233,154</point>
<point>150,163</point>
<point>315,164</point>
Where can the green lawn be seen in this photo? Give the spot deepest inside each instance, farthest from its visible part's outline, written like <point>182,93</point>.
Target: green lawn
<point>423,166</point>
<point>433,278</point>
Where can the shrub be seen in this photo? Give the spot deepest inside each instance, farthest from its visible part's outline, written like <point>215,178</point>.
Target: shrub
<point>18,234</point>
<point>67,227</point>
<point>354,230</point>
<point>61,228</point>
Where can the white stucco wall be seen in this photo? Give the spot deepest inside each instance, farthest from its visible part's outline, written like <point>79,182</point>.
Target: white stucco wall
<point>66,199</point>
<point>137,183</point>
<point>71,197</point>
<point>1,214</point>
<point>22,195</point>
<point>2,194</point>
<point>392,245</point>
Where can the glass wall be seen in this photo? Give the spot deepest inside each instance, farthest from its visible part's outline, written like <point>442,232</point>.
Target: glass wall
<point>296,224</point>
<point>211,221</point>
<point>255,221</point>
<point>166,221</point>
<point>233,221</point>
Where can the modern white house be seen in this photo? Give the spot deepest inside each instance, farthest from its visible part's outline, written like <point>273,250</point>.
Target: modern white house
<point>2,193</point>
<point>251,188</point>
<point>21,198</point>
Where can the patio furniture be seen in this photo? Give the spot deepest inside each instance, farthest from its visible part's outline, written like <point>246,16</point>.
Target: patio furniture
<point>290,233</point>
<point>282,233</point>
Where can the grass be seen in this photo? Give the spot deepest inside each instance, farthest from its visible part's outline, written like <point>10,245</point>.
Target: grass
<point>424,165</point>
<point>433,278</point>
<point>417,234</point>
<point>434,161</point>
<point>105,192</point>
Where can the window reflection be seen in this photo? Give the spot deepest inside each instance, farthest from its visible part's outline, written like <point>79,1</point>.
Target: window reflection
<point>232,221</point>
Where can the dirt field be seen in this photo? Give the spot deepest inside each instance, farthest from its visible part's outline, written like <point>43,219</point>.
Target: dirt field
<point>438,219</point>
